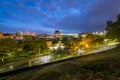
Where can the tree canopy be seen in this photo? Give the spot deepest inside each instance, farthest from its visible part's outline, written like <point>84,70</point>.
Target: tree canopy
<point>113,29</point>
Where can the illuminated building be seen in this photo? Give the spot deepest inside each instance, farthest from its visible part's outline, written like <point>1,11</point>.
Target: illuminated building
<point>26,33</point>
<point>69,35</point>
<point>103,34</point>
<point>44,36</point>
<point>1,35</point>
<point>49,43</point>
<point>83,34</point>
<point>58,34</point>
<point>8,35</point>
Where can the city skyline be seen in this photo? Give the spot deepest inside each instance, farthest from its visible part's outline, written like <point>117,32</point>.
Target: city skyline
<point>46,16</point>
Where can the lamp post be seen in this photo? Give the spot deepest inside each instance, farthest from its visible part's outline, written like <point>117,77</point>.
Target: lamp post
<point>39,50</point>
<point>2,59</point>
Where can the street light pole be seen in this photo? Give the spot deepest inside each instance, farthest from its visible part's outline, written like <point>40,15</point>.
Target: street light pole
<point>39,50</point>
<point>3,59</point>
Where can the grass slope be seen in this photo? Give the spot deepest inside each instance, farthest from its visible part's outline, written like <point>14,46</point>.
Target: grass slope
<point>101,66</point>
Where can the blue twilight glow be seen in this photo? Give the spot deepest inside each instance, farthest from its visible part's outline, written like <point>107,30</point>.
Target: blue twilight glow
<point>45,16</point>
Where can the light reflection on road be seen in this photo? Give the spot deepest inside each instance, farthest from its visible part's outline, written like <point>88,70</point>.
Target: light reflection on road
<point>46,59</point>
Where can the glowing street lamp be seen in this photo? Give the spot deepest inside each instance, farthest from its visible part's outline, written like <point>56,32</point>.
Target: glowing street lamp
<point>56,47</point>
<point>86,46</point>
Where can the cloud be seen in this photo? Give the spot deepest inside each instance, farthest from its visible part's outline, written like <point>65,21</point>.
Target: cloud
<point>106,9</point>
<point>66,15</point>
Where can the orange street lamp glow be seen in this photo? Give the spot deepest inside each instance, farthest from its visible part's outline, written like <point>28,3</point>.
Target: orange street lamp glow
<point>86,46</point>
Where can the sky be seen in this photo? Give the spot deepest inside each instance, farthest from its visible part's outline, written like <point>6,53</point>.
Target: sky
<point>46,16</point>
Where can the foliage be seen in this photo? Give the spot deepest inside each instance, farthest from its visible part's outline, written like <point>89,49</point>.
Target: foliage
<point>25,47</point>
<point>55,40</point>
<point>35,45</point>
<point>42,44</point>
<point>65,40</point>
<point>46,51</point>
<point>87,42</point>
<point>59,54</point>
<point>91,41</point>
<point>70,45</point>
<point>113,29</point>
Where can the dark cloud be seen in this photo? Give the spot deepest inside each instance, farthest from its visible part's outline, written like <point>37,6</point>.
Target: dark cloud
<point>106,9</point>
<point>96,18</point>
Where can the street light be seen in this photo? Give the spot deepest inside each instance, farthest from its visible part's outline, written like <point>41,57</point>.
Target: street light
<point>62,47</point>
<point>51,48</point>
<point>86,46</point>
<point>56,47</point>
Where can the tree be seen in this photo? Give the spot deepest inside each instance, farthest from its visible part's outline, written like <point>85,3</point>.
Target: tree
<point>27,48</point>
<point>36,45</point>
<point>65,40</point>
<point>54,41</point>
<point>109,24</point>
<point>113,29</point>
<point>91,41</point>
<point>42,44</point>
<point>118,20</point>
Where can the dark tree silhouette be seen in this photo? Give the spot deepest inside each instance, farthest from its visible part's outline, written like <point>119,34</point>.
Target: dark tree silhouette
<point>113,29</point>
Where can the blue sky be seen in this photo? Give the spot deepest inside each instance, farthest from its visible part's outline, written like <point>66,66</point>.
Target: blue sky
<point>46,16</point>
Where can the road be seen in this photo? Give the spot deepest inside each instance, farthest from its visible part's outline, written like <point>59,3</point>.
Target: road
<point>42,60</point>
<point>103,48</point>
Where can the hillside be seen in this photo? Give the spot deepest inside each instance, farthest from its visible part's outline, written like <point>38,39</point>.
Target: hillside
<point>101,66</point>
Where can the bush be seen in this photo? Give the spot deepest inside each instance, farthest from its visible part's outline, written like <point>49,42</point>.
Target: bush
<point>59,54</point>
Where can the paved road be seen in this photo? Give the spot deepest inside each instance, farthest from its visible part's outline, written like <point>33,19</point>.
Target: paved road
<point>41,60</point>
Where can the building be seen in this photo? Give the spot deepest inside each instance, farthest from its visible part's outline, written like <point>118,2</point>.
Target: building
<point>1,35</point>
<point>26,33</point>
<point>57,34</point>
<point>49,43</point>
<point>8,35</point>
<point>43,36</point>
<point>103,34</point>
<point>69,35</point>
<point>83,34</point>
